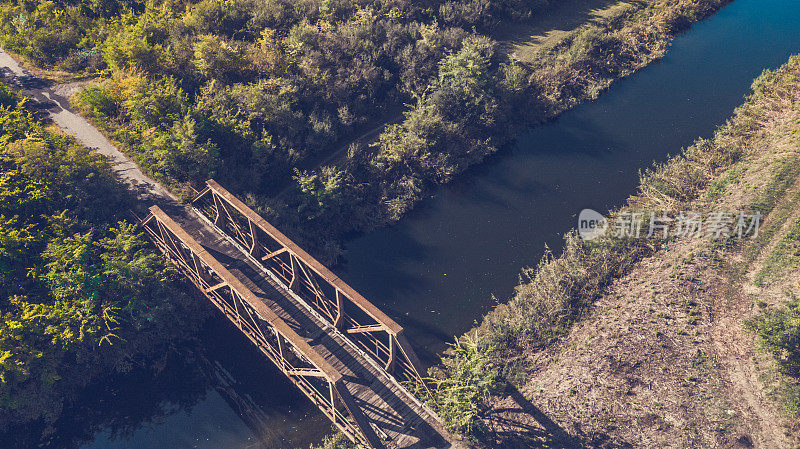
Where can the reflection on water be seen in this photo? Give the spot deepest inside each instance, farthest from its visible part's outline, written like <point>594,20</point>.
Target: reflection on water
<point>217,393</point>
<point>436,270</point>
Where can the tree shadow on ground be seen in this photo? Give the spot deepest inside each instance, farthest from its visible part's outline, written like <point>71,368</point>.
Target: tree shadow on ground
<point>523,425</point>
<point>552,23</point>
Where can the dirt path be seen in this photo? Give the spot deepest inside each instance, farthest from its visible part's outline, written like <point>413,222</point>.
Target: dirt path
<point>735,345</point>
<point>54,99</point>
<point>734,351</point>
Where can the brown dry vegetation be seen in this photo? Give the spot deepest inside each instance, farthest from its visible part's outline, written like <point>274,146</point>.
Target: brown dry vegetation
<point>644,343</point>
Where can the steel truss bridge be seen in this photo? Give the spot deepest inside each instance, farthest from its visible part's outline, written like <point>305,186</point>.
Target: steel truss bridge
<point>337,348</point>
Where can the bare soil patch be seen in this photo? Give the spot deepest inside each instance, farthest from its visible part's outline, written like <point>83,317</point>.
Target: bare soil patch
<point>664,358</point>
<point>524,39</point>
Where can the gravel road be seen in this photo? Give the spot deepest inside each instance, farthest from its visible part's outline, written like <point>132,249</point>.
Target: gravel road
<point>54,100</point>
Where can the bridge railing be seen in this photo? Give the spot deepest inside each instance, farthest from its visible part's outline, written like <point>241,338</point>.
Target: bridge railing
<point>324,292</point>
<point>301,363</point>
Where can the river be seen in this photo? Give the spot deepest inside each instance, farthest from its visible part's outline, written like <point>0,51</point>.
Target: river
<point>439,269</point>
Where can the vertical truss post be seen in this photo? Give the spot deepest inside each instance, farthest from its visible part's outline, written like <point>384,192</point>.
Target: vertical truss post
<point>293,261</point>
<point>217,207</point>
<point>337,407</point>
<point>281,353</point>
<point>253,239</point>
<point>392,355</point>
<point>339,322</point>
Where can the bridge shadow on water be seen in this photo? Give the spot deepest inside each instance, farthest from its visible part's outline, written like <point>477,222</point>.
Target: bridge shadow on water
<point>400,418</point>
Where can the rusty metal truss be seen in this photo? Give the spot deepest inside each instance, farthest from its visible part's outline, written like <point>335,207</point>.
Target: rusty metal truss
<point>318,288</point>
<point>291,353</point>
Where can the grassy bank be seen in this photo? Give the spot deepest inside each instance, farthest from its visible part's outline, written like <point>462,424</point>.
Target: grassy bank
<point>477,102</point>
<point>82,293</point>
<point>257,95</point>
<point>643,310</point>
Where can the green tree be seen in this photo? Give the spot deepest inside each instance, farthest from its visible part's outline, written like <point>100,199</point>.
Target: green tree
<point>217,59</point>
<point>150,102</point>
<point>81,294</point>
<point>324,192</point>
<point>142,42</point>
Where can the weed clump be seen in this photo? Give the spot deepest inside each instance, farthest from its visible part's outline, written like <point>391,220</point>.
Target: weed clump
<point>778,333</point>
<point>335,441</point>
<point>462,385</point>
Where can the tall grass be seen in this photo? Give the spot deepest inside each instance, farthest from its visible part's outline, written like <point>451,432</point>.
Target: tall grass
<point>778,334</point>
<point>462,385</point>
<point>561,289</point>
<point>335,441</point>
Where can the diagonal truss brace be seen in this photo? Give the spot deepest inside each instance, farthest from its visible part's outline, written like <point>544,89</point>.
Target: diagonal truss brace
<point>301,363</point>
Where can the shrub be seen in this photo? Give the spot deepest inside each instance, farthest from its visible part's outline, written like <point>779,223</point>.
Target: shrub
<point>150,102</point>
<point>461,387</point>
<point>97,101</point>
<point>778,333</point>
<point>178,155</point>
<point>217,59</point>
<point>335,441</point>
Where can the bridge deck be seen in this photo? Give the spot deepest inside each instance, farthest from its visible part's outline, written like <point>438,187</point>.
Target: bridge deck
<point>396,416</point>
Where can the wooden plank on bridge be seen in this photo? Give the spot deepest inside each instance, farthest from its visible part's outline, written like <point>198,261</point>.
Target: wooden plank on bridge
<point>247,295</point>
<point>372,397</point>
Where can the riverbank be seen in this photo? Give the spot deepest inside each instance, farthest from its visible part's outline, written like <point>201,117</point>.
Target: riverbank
<point>82,294</point>
<point>478,103</point>
<point>647,342</point>
<point>469,98</point>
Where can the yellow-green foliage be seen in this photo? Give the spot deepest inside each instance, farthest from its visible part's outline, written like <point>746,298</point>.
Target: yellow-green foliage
<point>247,92</point>
<point>335,441</point>
<point>784,256</point>
<point>140,41</point>
<point>460,388</point>
<point>163,132</point>
<point>81,292</point>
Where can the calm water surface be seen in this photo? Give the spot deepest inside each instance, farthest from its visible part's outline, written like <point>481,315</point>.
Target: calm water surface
<point>436,270</point>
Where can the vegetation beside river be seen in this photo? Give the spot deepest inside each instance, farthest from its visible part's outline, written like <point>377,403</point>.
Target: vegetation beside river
<point>265,95</point>
<point>82,292</point>
<point>656,342</point>
<point>335,441</point>
<point>259,94</point>
<point>477,102</point>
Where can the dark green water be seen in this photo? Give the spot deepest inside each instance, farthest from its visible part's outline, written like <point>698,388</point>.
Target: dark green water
<point>437,269</point>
